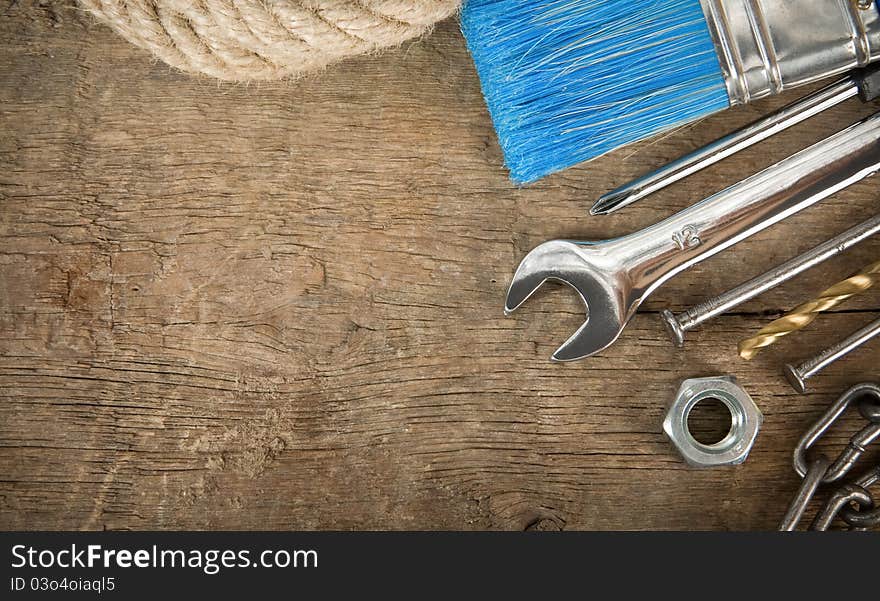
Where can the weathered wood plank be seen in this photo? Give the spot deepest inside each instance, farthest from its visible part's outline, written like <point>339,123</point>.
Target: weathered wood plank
<point>279,306</point>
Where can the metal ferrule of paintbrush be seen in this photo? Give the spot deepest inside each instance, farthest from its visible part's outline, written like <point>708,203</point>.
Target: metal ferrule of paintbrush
<point>768,46</point>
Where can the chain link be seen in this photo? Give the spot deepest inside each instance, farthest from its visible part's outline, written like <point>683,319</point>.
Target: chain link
<point>864,394</point>
<point>851,502</point>
<point>812,480</point>
<point>864,518</point>
<point>841,498</point>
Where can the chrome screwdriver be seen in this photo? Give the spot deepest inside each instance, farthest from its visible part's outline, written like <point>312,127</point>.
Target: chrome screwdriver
<point>864,83</point>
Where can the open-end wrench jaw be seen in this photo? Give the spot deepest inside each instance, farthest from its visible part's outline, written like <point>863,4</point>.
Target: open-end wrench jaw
<point>614,276</point>
<point>584,267</point>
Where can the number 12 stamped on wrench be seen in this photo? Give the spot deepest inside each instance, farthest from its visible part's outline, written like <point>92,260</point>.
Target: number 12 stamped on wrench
<point>613,277</point>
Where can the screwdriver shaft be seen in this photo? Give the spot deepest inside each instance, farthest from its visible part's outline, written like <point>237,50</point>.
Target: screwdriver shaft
<point>786,117</point>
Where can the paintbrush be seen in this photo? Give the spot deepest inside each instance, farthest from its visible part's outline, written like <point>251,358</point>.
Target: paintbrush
<point>570,80</point>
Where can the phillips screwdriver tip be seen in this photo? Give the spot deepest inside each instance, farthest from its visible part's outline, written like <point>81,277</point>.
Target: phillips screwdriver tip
<point>610,202</point>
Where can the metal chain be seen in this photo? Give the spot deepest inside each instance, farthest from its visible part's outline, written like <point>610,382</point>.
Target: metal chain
<point>821,470</point>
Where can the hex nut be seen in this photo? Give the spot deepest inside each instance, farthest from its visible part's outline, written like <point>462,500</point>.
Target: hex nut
<point>745,423</point>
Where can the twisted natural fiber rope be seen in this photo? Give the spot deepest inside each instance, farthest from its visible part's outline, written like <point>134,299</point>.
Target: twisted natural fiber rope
<point>804,314</point>
<point>241,40</point>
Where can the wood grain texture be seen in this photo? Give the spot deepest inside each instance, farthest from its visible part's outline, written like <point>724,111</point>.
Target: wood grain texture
<point>279,306</point>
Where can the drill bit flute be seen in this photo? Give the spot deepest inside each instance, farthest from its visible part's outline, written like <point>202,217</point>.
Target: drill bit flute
<point>804,314</point>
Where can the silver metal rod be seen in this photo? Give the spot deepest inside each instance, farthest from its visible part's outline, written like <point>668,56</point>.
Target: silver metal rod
<point>797,376</point>
<point>760,130</point>
<point>678,324</point>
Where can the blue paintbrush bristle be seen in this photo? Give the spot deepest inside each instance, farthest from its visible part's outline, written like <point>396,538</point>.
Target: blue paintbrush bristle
<point>569,80</point>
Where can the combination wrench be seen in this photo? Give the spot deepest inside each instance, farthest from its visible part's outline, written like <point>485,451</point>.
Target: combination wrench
<point>613,277</point>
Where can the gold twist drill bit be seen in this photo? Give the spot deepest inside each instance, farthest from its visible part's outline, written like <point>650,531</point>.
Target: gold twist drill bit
<point>802,315</point>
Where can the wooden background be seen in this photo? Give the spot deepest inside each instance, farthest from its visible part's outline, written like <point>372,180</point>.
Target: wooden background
<point>279,306</point>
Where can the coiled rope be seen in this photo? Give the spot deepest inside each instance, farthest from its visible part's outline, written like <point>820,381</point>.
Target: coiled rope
<point>249,40</point>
